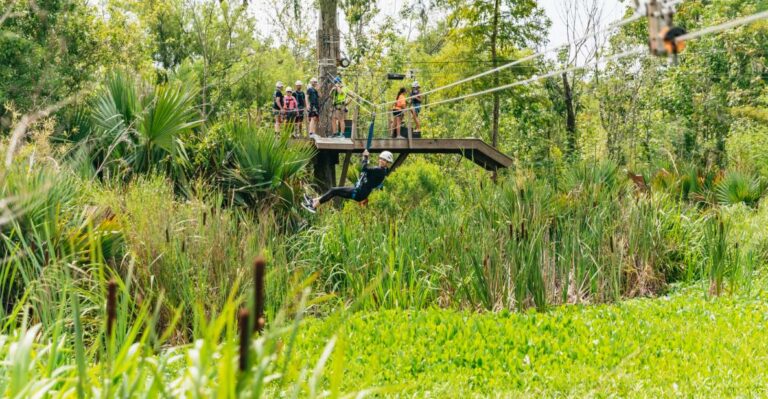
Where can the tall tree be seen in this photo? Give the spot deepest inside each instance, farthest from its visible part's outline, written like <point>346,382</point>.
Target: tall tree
<point>579,17</point>
<point>496,29</point>
<point>48,50</point>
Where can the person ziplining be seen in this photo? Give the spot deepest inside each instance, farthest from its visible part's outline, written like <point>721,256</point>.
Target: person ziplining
<point>370,179</point>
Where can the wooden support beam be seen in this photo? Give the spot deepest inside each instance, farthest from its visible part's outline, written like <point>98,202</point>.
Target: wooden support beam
<point>325,169</point>
<point>473,149</point>
<point>410,131</point>
<point>345,169</point>
<point>399,161</point>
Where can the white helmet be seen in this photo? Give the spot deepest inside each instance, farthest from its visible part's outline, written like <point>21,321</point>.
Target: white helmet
<point>279,84</point>
<point>387,156</point>
<point>415,84</point>
<point>289,90</point>
<point>313,81</point>
<point>298,83</point>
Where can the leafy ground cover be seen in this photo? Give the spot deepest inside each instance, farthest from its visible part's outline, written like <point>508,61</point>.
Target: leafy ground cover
<point>681,345</point>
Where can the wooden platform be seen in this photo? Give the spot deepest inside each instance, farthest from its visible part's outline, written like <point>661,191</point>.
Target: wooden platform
<point>475,150</point>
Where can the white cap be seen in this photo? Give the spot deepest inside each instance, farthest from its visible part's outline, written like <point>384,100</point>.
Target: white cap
<point>313,80</point>
<point>387,156</point>
<point>289,89</point>
<point>415,84</point>
<point>298,83</point>
<point>279,84</point>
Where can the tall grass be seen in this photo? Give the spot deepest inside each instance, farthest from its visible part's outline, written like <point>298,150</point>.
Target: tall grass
<point>75,357</point>
<point>191,252</point>
<point>518,244</point>
<point>48,223</point>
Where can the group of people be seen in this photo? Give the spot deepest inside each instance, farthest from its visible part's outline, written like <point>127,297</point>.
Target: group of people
<point>291,108</point>
<point>401,105</point>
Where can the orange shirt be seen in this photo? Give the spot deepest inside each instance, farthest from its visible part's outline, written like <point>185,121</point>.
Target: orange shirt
<point>400,103</point>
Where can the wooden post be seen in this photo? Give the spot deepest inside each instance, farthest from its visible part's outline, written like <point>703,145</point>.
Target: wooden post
<point>399,161</point>
<point>354,122</point>
<point>410,129</point>
<point>327,55</point>
<point>345,169</point>
<point>325,169</point>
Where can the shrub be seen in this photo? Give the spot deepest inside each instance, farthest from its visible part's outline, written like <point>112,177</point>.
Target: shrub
<point>262,169</point>
<point>130,127</point>
<point>737,187</point>
<point>417,184</point>
<point>48,223</point>
<point>192,253</point>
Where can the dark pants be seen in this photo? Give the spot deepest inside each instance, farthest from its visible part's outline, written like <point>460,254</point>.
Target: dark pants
<point>343,192</point>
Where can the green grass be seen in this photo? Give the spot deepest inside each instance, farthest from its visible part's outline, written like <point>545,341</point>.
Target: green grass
<point>683,345</point>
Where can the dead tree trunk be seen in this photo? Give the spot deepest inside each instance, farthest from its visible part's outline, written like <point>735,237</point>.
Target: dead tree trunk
<point>570,117</point>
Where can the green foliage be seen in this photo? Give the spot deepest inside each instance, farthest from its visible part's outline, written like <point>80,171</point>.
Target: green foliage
<point>48,50</point>
<point>76,357</point>
<point>190,253</point>
<point>261,165</point>
<point>748,227</point>
<point>748,147</point>
<point>718,255</point>
<point>135,129</point>
<point>737,187</point>
<point>417,184</point>
<point>680,345</point>
<point>518,244</point>
<point>48,223</point>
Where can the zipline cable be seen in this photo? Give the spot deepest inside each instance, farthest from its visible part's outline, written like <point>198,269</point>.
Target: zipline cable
<point>690,36</point>
<point>534,56</point>
<point>535,78</point>
<point>724,26</point>
<point>359,97</point>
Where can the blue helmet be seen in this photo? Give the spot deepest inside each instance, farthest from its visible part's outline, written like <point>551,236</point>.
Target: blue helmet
<point>337,79</point>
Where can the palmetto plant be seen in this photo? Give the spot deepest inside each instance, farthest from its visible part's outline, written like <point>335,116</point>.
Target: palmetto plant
<point>261,165</point>
<point>738,187</point>
<point>132,127</point>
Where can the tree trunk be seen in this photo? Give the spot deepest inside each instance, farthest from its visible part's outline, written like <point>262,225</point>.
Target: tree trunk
<point>494,58</point>
<point>570,118</point>
<point>327,54</point>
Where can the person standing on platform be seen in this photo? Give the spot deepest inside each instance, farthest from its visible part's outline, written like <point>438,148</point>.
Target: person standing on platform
<point>416,104</point>
<point>314,107</point>
<point>290,110</point>
<point>301,101</point>
<point>397,112</point>
<point>339,98</point>
<point>277,106</point>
